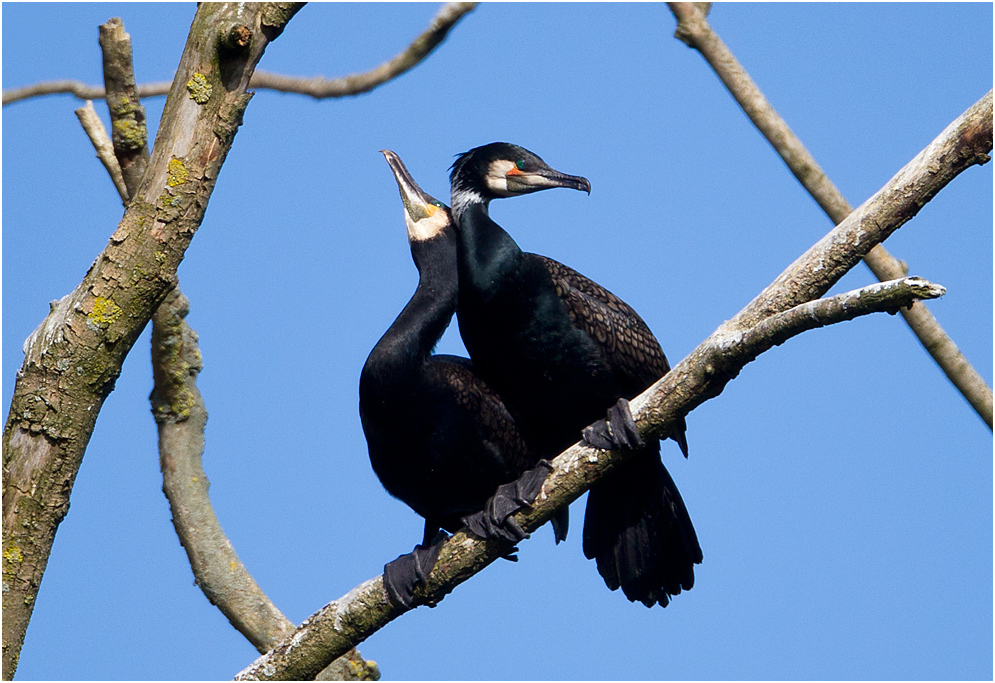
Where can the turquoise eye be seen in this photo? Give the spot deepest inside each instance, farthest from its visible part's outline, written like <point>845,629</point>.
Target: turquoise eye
<point>520,164</point>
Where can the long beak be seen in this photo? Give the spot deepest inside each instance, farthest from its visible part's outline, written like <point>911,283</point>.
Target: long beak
<point>417,203</point>
<point>546,178</point>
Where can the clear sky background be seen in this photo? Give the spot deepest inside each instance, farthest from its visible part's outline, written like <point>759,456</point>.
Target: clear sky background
<point>841,488</point>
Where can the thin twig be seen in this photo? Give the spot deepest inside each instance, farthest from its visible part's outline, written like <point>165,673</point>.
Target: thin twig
<point>95,130</point>
<point>318,87</point>
<point>693,29</point>
<point>703,374</point>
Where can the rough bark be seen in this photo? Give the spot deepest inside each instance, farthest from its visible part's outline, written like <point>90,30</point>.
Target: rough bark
<point>693,29</point>
<point>75,355</point>
<point>786,308</point>
<point>317,87</point>
<point>177,405</point>
<point>130,136</point>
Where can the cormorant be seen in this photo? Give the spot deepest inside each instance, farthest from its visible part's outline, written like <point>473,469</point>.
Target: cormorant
<point>439,439</point>
<point>560,350</point>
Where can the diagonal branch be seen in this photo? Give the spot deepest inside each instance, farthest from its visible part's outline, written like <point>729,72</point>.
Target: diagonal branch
<point>176,402</point>
<point>317,87</point>
<point>95,130</point>
<point>693,29</point>
<point>784,309</point>
<point>74,356</point>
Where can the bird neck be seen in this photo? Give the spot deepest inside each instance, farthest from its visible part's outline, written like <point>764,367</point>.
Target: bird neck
<point>487,254</point>
<point>409,341</point>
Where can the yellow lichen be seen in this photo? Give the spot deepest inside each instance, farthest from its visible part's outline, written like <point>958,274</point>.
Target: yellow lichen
<point>130,134</point>
<point>177,174</point>
<point>13,554</point>
<point>104,311</point>
<point>200,89</point>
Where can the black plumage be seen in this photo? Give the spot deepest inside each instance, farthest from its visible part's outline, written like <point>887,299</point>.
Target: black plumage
<point>439,439</point>
<point>560,350</point>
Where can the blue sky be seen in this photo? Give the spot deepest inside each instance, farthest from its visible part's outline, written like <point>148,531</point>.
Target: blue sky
<point>840,487</point>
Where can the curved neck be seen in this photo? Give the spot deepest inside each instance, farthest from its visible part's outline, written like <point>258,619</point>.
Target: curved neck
<point>409,341</point>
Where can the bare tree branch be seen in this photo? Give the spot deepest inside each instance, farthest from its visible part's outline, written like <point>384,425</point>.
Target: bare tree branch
<point>180,415</point>
<point>785,308</point>
<point>126,110</point>
<point>693,29</point>
<point>95,130</point>
<point>317,87</point>
<point>176,402</point>
<point>75,355</point>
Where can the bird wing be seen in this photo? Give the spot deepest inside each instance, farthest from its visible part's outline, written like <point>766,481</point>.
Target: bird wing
<point>628,343</point>
<point>494,423</point>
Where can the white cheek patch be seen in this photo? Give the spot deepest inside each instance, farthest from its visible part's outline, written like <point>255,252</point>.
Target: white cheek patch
<point>497,177</point>
<point>426,228</point>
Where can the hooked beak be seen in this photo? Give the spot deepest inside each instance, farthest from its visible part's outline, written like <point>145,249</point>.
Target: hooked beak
<point>418,204</point>
<point>520,182</point>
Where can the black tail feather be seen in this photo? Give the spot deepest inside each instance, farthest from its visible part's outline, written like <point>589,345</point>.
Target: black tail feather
<point>638,530</point>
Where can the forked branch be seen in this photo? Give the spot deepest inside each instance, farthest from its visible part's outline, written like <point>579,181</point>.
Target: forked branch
<point>786,308</point>
<point>74,356</point>
<point>693,29</point>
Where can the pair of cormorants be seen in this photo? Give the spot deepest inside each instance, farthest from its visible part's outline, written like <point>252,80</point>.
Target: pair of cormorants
<point>466,441</point>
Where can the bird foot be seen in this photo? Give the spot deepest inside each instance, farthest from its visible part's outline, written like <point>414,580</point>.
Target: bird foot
<point>616,432</point>
<point>495,521</point>
<point>407,572</point>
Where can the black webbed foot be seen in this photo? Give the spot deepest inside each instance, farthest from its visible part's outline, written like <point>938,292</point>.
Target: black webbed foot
<point>616,432</point>
<point>495,521</point>
<point>403,575</point>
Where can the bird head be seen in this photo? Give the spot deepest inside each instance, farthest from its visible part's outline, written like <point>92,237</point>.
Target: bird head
<point>425,216</point>
<point>502,169</point>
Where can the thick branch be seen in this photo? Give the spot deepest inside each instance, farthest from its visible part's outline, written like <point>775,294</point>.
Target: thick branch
<point>127,113</point>
<point>73,358</point>
<point>317,87</point>
<point>177,404</point>
<point>95,130</point>
<point>693,29</point>
<point>784,309</point>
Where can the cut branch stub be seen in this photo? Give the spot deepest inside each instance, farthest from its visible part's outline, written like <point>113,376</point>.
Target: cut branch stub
<point>129,132</point>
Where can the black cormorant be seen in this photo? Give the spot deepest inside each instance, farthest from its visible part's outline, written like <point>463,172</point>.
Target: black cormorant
<point>561,350</point>
<point>439,439</point>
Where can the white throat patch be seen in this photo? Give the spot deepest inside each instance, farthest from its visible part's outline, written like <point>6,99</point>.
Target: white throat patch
<point>428,227</point>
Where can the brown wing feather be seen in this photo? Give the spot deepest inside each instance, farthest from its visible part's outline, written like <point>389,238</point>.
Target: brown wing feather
<point>627,341</point>
<point>495,423</point>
